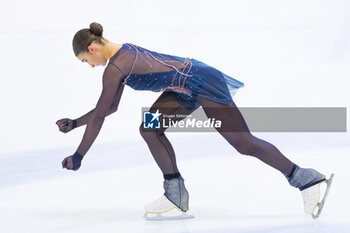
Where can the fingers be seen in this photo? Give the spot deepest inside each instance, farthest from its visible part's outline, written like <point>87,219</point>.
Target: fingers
<point>63,129</point>
<point>64,162</point>
<point>63,122</point>
<point>64,125</point>
<point>67,163</point>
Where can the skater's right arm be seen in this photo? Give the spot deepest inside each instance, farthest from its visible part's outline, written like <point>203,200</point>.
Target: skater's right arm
<point>83,120</point>
<point>65,125</point>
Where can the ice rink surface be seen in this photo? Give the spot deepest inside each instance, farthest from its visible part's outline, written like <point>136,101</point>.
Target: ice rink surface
<point>228,192</point>
<point>288,54</point>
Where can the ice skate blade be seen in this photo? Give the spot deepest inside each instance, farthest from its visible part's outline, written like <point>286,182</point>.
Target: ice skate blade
<point>171,215</point>
<point>159,217</point>
<point>320,204</point>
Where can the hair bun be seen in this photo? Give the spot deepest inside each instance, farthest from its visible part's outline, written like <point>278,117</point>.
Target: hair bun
<point>96,29</point>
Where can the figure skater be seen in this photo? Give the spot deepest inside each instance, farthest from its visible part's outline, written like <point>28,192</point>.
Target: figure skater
<point>186,84</point>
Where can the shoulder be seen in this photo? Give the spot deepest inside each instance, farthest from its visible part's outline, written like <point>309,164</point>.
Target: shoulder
<point>112,69</point>
<point>112,75</point>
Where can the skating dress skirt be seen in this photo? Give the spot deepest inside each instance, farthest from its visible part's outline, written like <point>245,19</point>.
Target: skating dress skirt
<point>194,79</point>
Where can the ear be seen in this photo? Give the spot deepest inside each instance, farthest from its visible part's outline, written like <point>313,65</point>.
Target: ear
<point>92,48</point>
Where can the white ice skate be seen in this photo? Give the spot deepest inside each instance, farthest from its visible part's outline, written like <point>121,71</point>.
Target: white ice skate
<point>312,195</point>
<point>163,209</point>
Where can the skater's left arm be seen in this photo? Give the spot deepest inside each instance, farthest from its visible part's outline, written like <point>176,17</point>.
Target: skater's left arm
<point>111,83</point>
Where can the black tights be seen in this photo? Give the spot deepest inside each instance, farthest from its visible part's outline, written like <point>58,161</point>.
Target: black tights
<point>234,129</point>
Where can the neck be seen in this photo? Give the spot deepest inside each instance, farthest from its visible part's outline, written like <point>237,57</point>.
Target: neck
<point>109,49</point>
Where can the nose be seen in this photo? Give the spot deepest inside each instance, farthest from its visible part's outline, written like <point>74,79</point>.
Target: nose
<point>92,65</point>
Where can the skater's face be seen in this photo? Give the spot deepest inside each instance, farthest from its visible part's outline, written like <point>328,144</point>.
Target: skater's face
<point>94,57</point>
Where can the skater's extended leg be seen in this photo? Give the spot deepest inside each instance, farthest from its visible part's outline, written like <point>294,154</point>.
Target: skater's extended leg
<point>235,130</point>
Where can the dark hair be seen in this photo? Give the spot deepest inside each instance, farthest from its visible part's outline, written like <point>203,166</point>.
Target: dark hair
<point>84,37</point>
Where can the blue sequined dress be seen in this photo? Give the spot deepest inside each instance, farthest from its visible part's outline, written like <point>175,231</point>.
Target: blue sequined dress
<point>187,78</point>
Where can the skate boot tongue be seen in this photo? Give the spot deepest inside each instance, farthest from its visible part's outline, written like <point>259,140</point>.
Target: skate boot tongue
<point>304,178</point>
<point>176,192</point>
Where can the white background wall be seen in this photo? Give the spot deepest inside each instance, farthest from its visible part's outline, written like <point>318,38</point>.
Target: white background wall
<point>288,53</point>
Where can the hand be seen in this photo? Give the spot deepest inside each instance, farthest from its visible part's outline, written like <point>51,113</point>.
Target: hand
<point>65,125</point>
<point>72,162</point>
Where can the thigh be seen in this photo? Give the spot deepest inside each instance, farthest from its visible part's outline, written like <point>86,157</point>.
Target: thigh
<point>231,118</point>
<point>168,103</point>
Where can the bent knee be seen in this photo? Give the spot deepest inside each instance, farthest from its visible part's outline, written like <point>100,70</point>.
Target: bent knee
<point>244,149</point>
<point>150,133</point>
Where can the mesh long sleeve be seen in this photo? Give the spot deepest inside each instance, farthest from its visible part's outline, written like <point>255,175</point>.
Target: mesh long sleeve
<point>112,81</point>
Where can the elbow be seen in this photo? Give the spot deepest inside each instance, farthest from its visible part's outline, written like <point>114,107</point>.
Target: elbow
<point>114,108</point>
<point>98,119</point>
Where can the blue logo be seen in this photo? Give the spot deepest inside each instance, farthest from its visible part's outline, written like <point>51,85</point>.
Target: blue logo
<point>151,120</point>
